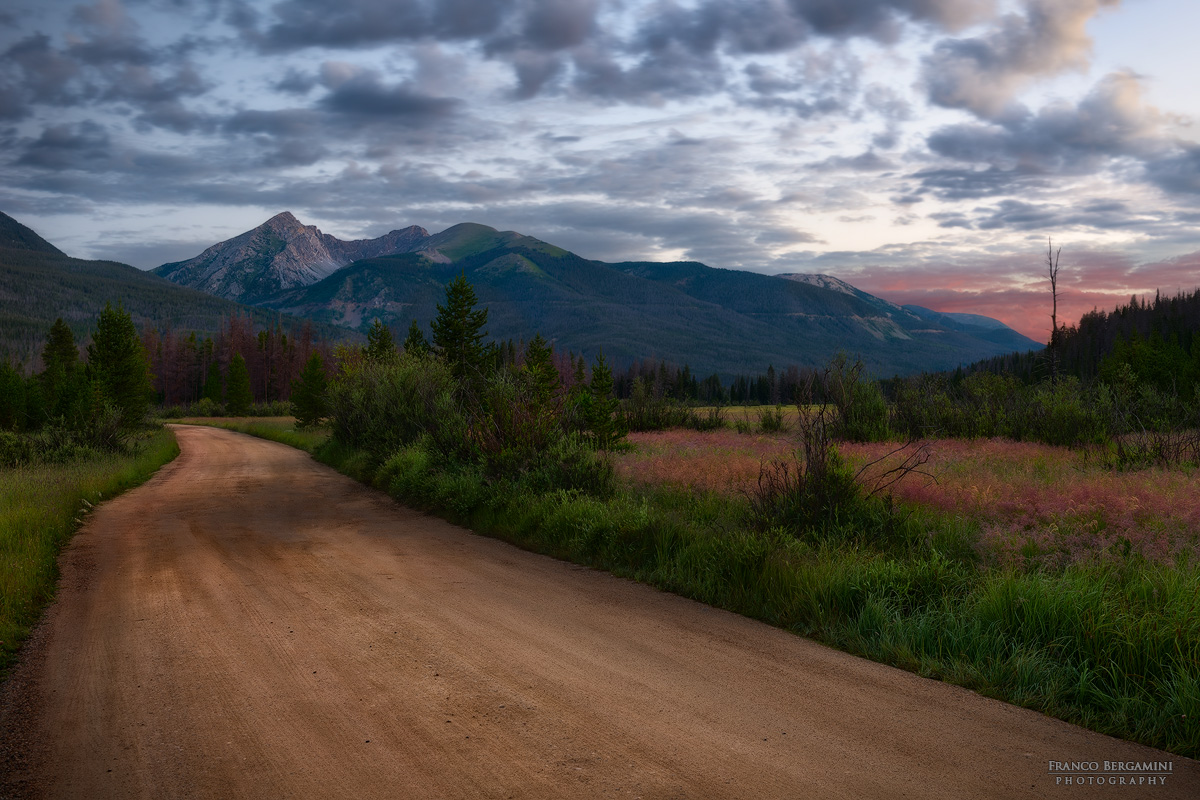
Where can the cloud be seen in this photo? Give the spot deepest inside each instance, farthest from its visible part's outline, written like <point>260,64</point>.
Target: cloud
<point>365,94</point>
<point>104,60</point>
<point>768,26</point>
<point>1110,126</point>
<point>85,146</point>
<point>296,82</point>
<point>33,71</point>
<point>299,24</point>
<point>1177,172</point>
<point>983,74</point>
<point>604,49</point>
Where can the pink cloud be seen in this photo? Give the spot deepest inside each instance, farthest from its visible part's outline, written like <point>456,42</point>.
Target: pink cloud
<point>1016,291</point>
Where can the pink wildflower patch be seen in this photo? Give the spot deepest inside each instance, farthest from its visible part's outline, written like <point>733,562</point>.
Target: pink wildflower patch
<point>1032,501</point>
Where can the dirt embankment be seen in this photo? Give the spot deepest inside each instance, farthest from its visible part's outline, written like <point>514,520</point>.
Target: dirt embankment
<point>252,624</point>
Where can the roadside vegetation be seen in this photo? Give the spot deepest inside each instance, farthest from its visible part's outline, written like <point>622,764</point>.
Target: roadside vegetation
<point>1059,578</point>
<point>1031,538</point>
<point>70,436</point>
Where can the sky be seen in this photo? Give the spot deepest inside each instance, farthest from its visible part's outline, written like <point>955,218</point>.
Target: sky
<point>922,150</point>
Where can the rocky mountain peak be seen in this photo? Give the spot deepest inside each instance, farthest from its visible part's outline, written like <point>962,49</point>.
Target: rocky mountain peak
<point>282,253</point>
<point>283,221</point>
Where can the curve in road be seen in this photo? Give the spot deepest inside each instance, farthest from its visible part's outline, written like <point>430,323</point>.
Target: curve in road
<point>252,624</point>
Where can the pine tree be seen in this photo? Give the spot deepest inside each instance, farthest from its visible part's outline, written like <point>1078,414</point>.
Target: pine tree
<point>62,385</point>
<point>12,398</point>
<point>603,407</point>
<point>308,393</point>
<point>212,384</point>
<point>380,344</point>
<point>415,343</point>
<point>458,332</point>
<point>118,367</point>
<point>238,397</point>
<point>540,370</point>
<point>60,351</point>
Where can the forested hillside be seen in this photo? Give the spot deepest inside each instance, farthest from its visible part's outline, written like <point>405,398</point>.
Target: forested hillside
<point>1155,342</point>
<point>39,284</point>
<point>715,321</point>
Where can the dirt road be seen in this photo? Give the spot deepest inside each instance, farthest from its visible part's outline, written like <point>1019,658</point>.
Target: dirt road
<point>252,624</point>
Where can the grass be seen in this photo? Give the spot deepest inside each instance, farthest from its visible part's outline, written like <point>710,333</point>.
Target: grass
<point>40,508</point>
<point>1033,504</point>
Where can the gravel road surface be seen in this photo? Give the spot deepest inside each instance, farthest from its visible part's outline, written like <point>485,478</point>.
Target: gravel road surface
<point>250,623</point>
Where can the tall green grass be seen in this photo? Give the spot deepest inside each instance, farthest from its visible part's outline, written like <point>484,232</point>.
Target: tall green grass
<point>40,507</point>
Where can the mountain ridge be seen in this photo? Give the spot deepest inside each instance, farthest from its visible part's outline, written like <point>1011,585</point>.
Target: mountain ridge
<point>40,283</point>
<point>15,236</point>
<point>716,320</point>
<point>280,254</point>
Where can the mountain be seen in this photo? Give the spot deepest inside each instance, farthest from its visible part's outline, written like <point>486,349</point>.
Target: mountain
<point>38,284</point>
<point>15,236</point>
<point>280,254</point>
<point>715,320</point>
<point>986,328</point>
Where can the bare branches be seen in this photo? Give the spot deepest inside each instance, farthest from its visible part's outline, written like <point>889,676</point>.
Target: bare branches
<point>1052,269</point>
<point>912,464</point>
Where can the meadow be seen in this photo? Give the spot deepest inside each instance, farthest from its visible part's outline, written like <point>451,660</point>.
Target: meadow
<point>1033,505</point>
<point>41,506</point>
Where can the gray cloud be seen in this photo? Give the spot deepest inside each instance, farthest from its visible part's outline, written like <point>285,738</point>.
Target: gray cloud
<point>1178,172</point>
<point>1062,139</point>
<point>296,82</point>
<point>767,26</point>
<point>365,94</point>
<point>360,23</point>
<point>86,146</point>
<point>869,161</point>
<point>983,74</point>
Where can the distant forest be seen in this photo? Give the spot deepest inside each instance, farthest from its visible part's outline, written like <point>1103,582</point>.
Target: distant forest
<point>1155,343</point>
<point>186,367</point>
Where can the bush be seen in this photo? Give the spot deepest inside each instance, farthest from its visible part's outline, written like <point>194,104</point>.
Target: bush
<point>1063,413</point>
<point>861,407</point>
<point>206,407</point>
<point>771,420</point>
<point>379,407</point>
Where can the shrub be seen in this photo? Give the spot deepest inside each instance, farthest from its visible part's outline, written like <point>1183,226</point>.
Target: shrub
<point>206,407</point>
<point>381,406</point>
<point>771,420</point>
<point>861,407</point>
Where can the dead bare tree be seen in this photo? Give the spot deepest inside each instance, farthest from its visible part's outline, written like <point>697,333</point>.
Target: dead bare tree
<point>1052,267</point>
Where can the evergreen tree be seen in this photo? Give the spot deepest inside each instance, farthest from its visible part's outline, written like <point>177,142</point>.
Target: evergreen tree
<point>603,406</point>
<point>415,343</point>
<point>458,330</point>
<point>212,384</point>
<point>238,397</point>
<point>12,398</point>
<point>540,369</point>
<point>308,393</point>
<point>60,351</point>
<point>380,344</point>
<point>117,366</point>
<point>62,390</point>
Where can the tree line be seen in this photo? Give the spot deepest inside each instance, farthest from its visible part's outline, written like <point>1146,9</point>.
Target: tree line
<point>74,403</point>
